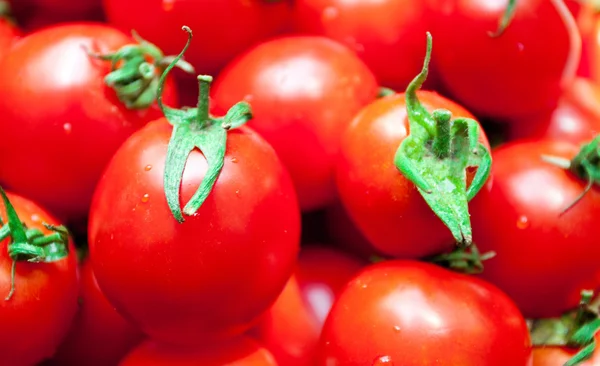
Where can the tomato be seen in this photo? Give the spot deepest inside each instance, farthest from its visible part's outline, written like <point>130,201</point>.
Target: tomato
<point>304,91</point>
<point>292,326</point>
<point>545,256</point>
<point>575,119</point>
<point>387,35</point>
<point>240,352</point>
<point>557,356</point>
<point>414,313</point>
<point>222,29</point>
<point>99,335</point>
<point>9,34</point>
<point>512,75</point>
<point>382,202</point>
<point>61,123</point>
<point>211,276</point>
<point>38,314</point>
<point>33,14</point>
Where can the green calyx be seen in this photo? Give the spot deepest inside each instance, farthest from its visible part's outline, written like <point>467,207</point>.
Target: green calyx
<point>195,128</point>
<point>507,16</point>
<point>385,92</point>
<point>576,329</point>
<point>435,156</point>
<point>135,72</point>
<point>466,260</point>
<point>31,245</point>
<point>585,165</point>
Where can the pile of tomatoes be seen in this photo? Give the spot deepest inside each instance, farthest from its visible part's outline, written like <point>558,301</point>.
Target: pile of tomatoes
<point>295,183</point>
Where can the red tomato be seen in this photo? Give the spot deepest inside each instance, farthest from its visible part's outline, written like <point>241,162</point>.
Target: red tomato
<point>212,275</point>
<point>415,313</point>
<point>385,205</point>
<point>576,118</point>
<point>60,122</point>
<point>222,29</point>
<point>39,13</point>
<point>99,336</point>
<point>9,33</point>
<point>558,356</point>
<point>514,74</point>
<point>304,91</point>
<point>387,35</point>
<point>543,259</point>
<point>241,352</point>
<point>38,315</point>
<point>292,326</point>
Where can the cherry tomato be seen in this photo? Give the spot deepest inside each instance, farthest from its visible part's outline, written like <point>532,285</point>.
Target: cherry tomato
<point>511,75</point>
<point>33,14</point>
<point>39,313</point>
<point>60,122</point>
<point>558,356</point>
<point>240,352</point>
<point>545,256</point>
<point>99,335</point>
<point>386,206</point>
<point>304,91</point>
<point>222,29</point>
<point>414,313</point>
<point>213,275</point>
<point>9,34</point>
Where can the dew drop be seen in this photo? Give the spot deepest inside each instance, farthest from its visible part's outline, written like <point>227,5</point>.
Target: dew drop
<point>329,14</point>
<point>248,98</point>
<point>148,167</point>
<point>234,160</point>
<point>520,46</point>
<point>145,198</point>
<point>35,218</point>
<point>397,328</point>
<point>353,44</point>
<point>383,361</point>
<point>237,191</point>
<point>67,127</point>
<point>523,222</point>
<point>168,5</point>
<point>364,285</point>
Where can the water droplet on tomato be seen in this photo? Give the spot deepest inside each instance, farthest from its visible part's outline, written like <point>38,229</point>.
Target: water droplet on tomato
<point>364,285</point>
<point>523,222</point>
<point>148,167</point>
<point>237,191</point>
<point>352,43</point>
<point>520,46</point>
<point>35,218</point>
<point>234,160</point>
<point>248,98</point>
<point>329,14</point>
<point>68,128</point>
<point>168,5</point>
<point>397,328</point>
<point>145,198</point>
<point>383,361</point>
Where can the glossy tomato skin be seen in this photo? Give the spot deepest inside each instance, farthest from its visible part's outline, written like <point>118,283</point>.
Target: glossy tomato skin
<point>238,352</point>
<point>60,122</point>
<point>9,34</point>
<point>222,29</point>
<point>304,91</point>
<point>576,118</point>
<point>290,329</point>
<point>38,315</point>
<point>239,248</point>
<point>415,313</point>
<point>34,14</point>
<point>387,35</point>
<point>99,336</point>
<point>385,206</point>
<point>543,259</point>
<point>558,356</point>
<point>509,76</point>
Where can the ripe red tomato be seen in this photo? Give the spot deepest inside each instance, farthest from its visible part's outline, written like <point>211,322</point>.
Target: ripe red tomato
<point>387,35</point>
<point>9,33</point>
<point>544,258</point>
<point>60,122</point>
<point>291,327</point>
<point>99,336</point>
<point>558,356</point>
<point>514,74</point>
<point>222,29</point>
<point>34,14</point>
<point>38,315</point>
<point>212,275</point>
<point>304,91</point>
<point>383,203</point>
<point>240,352</point>
<point>576,118</point>
<point>414,313</point>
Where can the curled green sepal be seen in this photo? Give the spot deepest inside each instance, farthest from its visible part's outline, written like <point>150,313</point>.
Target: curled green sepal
<point>464,260</point>
<point>31,245</point>
<point>435,156</point>
<point>195,128</point>
<point>507,16</point>
<point>135,70</point>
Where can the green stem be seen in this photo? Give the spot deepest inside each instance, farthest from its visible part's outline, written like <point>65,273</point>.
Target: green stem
<point>507,17</point>
<point>442,138</point>
<point>385,92</point>
<point>204,82</point>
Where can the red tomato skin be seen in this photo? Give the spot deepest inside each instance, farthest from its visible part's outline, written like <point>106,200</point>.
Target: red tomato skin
<point>576,118</point>
<point>384,205</point>
<point>414,313</point>
<point>387,35</point>
<point>304,91</point>
<point>60,123</point>
<point>240,25</point>
<point>35,14</point>
<point>238,352</point>
<point>558,356</point>
<point>509,76</point>
<point>290,329</point>
<point>239,248</point>
<point>39,314</point>
<point>9,34</point>
<point>99,336</point>
<point>543,260</point>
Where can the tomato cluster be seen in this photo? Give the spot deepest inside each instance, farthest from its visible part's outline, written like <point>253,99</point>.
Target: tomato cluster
<point>297,183</point>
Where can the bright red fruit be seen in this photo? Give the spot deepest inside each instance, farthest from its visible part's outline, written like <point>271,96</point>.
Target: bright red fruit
<point>414,313</point>
<point>558,356</point>
<point>304,92</point>
<point>9,33</point>
<point>33,14</point>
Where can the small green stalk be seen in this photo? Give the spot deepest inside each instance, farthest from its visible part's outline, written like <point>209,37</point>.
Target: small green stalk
<point>435,156</point>
<point>195,128</point>
<point>31,245</point>
<point>135,72</point>
<point>507,17</point>
<point>464,260</point>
